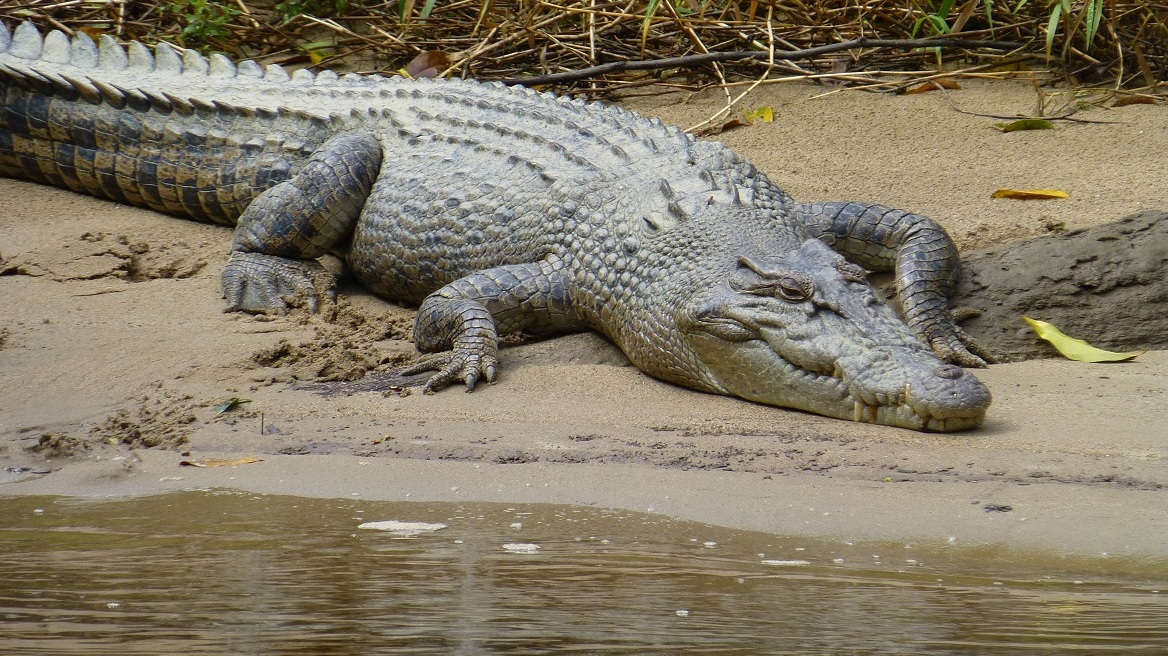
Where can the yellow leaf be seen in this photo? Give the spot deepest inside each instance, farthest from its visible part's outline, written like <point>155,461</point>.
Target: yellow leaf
<point>765,113</point>
<point>1030,194</point>
<point>218,462</point>
<point>1075,349</point>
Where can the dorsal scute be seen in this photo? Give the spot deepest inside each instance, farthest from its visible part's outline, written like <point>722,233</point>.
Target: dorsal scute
<point>303,77</point>
<point>26,42</point>
<point>275,73</point>
<point>249,68</point>
<point>111,94</point>
<point>86,89</point>
<point>167,59</point>
<point>110,55</point>
<point>221,66</point>
<point>83,51</point>
<point>139,57</point>
<point>56,48</point>
<point>194,63</point>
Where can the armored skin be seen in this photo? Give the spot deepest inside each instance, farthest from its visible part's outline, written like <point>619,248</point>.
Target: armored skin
<point>501,209</point>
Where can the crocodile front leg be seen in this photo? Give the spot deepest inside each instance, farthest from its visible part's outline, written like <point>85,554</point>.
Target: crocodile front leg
<point>921,254</point>
<point>462,321</point>
<point>283,231</point>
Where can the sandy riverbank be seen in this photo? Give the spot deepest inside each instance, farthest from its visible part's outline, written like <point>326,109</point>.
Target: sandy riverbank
<point>111,331</point>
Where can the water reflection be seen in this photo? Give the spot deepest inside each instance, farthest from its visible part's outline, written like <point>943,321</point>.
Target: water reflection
<point>231,573</point>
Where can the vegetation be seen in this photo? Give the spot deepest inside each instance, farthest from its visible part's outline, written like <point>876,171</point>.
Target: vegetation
<point>201,20</point>
<point>1120,43</point>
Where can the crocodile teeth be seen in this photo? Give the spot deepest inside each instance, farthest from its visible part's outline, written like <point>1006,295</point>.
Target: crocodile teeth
<point>865,412</point>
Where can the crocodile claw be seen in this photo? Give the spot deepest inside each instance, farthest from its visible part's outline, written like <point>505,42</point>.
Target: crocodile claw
<point>952,344</point>
<point>454,366</point>
<point>269,284</point>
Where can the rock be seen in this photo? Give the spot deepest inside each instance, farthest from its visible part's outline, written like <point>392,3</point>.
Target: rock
<point>1107,285</point>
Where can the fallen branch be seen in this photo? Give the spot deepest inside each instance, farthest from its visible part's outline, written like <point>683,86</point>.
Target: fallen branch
<point>689,61</point>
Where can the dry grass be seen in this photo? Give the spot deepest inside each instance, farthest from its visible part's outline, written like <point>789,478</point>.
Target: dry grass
<point>504,39</point>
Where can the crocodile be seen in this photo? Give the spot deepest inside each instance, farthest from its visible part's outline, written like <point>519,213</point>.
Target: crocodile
<point>499,209</point>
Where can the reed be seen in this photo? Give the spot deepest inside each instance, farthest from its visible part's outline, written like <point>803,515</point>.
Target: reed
<point>1122,44</point>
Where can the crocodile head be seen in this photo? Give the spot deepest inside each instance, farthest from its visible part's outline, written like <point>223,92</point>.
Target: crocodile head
<point>805,330</point>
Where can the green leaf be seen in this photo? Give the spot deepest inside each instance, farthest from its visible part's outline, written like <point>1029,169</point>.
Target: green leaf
<point>1075,349</point>
<point>230,405</point>
<point>650,9</point>
<point>1025,124</point>
<point>1094,11</point>
<point>1052,26</point>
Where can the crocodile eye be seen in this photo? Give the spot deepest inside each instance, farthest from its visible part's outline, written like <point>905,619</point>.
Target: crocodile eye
<point>852,272</point>
<point>794,288</point>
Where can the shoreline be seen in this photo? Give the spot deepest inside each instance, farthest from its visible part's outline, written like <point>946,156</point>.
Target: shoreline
<point>935,514</point>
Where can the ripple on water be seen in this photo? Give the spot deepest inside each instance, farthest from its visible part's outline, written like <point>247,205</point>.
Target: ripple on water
<point>218,572</point>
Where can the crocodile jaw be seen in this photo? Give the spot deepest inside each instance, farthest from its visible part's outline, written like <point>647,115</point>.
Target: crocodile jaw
<point>928,395</point>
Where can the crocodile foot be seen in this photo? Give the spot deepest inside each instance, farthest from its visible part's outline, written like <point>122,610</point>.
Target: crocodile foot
<point>269,284</point>
<point>459,365</point>
<point>952,344</point>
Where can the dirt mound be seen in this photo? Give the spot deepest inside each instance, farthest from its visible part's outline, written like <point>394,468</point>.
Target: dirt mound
<point>95,255</point>
<point>344,345</point>
<point>1108,285</point>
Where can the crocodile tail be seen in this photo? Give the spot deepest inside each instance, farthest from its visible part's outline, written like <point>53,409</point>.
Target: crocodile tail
<point>26,43</point>
<point>58,66</point>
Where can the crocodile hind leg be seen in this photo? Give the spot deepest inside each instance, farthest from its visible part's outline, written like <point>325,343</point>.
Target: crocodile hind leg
<point>921,254</point>
<point>461,322</point>
<point>282,232</point>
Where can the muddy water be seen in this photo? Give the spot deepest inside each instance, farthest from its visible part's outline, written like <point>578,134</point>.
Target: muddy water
<point>217,572</point>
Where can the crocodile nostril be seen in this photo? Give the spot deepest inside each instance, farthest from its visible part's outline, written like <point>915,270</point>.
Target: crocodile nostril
<point>950,371</point>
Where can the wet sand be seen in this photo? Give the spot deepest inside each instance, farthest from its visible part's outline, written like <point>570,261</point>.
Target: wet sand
<point>114,353</point>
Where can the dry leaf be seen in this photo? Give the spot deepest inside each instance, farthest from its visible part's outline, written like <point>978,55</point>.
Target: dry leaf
<point>1075,349</point>
<point>933,85</point>
<point>218,462</point>
<point>1030,194</point>
<point>1025,124</point>
<point>1133,100</point>
<point>428,64</point>
<point>231,404</point>
<point>711,130</point>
